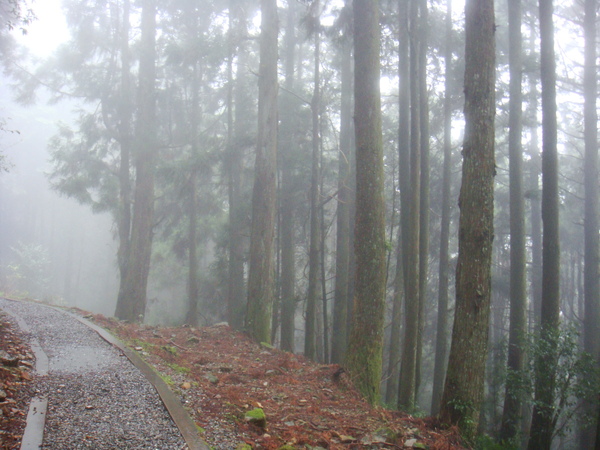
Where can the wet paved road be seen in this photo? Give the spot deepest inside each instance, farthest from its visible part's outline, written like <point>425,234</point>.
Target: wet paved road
<point>97,399</point>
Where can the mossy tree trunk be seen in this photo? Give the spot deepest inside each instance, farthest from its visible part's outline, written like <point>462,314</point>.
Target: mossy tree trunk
<point>260,275</point>
<point>365,346</point>
<point>464,386</point>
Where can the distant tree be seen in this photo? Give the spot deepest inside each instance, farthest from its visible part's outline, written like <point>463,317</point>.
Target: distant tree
<point>310,338</point>
<point>425,175</point>
<point>408,367</point>
<point>339,338</point>
<point>441,346</point>
<point>365,346</point>
<point>464,386</point>
<point>542,425</point>
<point>287,192</point>
<point>236,122</point>
<point>395,349</point>
<point>518,288</point>
<point>260,275</point>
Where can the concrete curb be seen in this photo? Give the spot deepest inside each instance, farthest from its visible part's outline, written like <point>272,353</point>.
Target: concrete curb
<point>180,416</point>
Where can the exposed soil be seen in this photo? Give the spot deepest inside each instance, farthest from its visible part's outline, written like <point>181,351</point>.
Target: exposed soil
<point>220,375</point>
<point>16,362</point>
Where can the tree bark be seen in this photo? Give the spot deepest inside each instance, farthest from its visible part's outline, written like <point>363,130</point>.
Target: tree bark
<point>464,386</point>
<point>260,275</point>
<point>364,357</point>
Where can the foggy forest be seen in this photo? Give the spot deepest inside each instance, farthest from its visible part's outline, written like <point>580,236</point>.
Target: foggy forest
<point>405,188</point>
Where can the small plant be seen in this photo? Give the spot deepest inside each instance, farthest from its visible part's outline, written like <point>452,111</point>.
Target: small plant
<point>179,369</point>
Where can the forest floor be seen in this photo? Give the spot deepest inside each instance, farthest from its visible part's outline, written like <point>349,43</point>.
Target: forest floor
<point>220,375</point>
<point>16,383</point>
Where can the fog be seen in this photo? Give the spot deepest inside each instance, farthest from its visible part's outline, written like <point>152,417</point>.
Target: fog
<point>51,248</point>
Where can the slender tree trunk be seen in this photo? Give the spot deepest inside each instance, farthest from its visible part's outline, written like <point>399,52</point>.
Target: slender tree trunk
<point>125,141</point>
<point>310,337</point>
<point>288,265</point>
<point>542,425</point>
<point>511,415</point>
<point>260,275</point>
<point>342,254</point>
<point>404,176</point>
<point>408,367</point>
<point>424,195</point>
<point>464,386</point>
<point>131,305</point>
<point>193,285</point>
<point>536,212</point>
<point>441,346</point>
<point>365,345</point>
<point>591,275</point>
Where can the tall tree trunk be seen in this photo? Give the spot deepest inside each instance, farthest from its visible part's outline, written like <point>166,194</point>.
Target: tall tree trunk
<point>125,141</point>
<point>511,415</point>
<point>536,212</point>
<point>131,304</point>
<point>424,195</point>
<point>591,275</point>
<point>542,425</point>
<point>310,337</point>
<point>408,367</point>
<point>260,275</point>
<point>193,285</point>
<point>238,126</point>
<point>404,176</point>
<point>365,345</point>
<point>441,346</point>
<point>342,255</point>
<point>464,386</point>
<point>288,265</point>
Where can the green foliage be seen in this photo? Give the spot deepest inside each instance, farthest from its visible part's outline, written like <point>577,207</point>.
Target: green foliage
<point>577,377</point>
<point>30,270</point>
<point>485,442</point>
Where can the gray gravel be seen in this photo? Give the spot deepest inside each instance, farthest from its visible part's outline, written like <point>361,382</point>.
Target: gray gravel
<point>96,398</point>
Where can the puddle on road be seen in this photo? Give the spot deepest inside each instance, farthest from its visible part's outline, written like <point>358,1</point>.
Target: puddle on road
<point>78,359</point>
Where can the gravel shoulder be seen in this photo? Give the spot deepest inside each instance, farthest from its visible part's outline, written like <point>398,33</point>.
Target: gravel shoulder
<point>97,399</point>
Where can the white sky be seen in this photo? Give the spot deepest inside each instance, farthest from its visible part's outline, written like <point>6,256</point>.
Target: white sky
<point>48,31</point>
